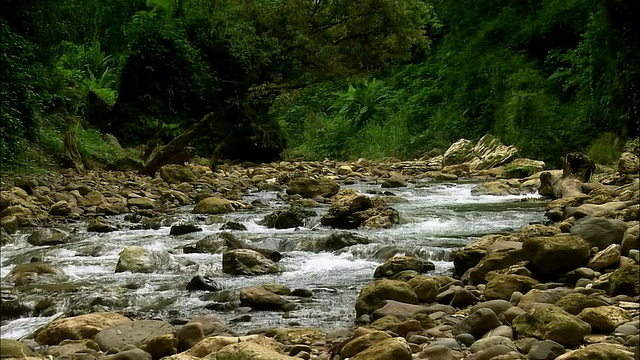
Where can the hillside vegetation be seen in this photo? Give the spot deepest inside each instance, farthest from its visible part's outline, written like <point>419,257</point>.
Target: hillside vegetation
<point>337,79</point>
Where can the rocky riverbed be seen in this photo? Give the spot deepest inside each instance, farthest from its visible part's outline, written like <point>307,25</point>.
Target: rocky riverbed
<point>562,288</point>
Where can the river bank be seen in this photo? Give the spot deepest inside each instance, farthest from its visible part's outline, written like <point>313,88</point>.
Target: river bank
<point>499,277</point>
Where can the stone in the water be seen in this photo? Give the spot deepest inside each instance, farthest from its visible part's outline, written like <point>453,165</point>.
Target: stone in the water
<point>181,229</point>
<point>247,262</point>
<point>397,263</point>
<point>135,332</point>
<point>200,282</point>
<point>233,225</point>
<point>48,236</point>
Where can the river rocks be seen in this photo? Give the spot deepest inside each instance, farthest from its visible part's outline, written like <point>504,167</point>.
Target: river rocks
<point>200,282</point>
<point>502,255</point>
<point>598,352</point>
<point>605,258</point>
<point>630,240</point>
<point>285,219</point>
<point>181,229</point>
<point>478,323</point>
<point>141,260</point>
<point>489,152</point>
<point>625,280</point>
<point>36,272</point>
<point>214,344</point>
<point>337,241</point>
<point>247,262</point>
<point>459,152</point>
<point>14,349</point>
<point>362,342</point>
<point>351,210</point>
<point>260,298</point>
<point>400,310</point>
<point>604,318</point>
<point>551,322</point>
<point>388,349</point>
<point>522,167</point>
<point>628,163</point>
<point>218,205</point>
<point>311,188</point>
<point>100,225</point>
<point>9,224</point>
<point>600,232</point>
<point>297,336</point>
<point>396,264</point>
<point>48,236</point>
<point>248,351</point>
<point>141,202</point>
<point>176,174</point>
<point>136,332</point>
<point>77,327</point>
<point>372,295</point>
<point>425,287</point>
<point>502,286</point>
<point>556,253</point>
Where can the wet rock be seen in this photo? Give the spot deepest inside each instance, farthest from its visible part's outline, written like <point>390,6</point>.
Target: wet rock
<point>48,236</point>
<point>204,283</point>
<point>396,264</point>
<point>604,318</point>
<point>625,280</point>
<point>556,253</point>
<point>101,225</point>
<point>394,182</point>
<point>210,244</point>
<point>61,207</point>
<point>372,295</point>
<point>36,272</point>
<point>552,323</point>
<point>9,224</point>
<point>136,332</point>
<point>14,349</point>
<point>600,232</point>
<point>141,260</point>
<point>77,327</point>
<point>181,229</point>
<point>285,219</point>
<point>260,298</point>
<point>176,174</point>
<point>502,286</point>
<point>478,323</point>
<point>218,205</point>
<point>141,203</point>
<point>388,349</point>
<point>247,262</point>
<point>233,225</point>
<point>337,241</point>
<point>425,287</point>
<point>311,188</point>
<point>304,293</point>
<point>351,210</point>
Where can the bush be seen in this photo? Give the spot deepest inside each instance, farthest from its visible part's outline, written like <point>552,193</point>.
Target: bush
<point>606,149</point>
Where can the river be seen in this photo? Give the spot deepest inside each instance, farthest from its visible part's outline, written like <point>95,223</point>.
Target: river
<point>436,217</point>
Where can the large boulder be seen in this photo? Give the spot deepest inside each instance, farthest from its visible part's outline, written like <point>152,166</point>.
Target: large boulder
<point>549,322</point>
<point>218,205</point>
<point>553,254</point>
<point>14,349</point>
<point>625,280</point>
<point>48,236</point>
<point>372,295</point>
<point>478,323</point>
<point>490,152</point>
<point>398,263</point>
<point>176,174</point>
<point>575,302</point>
<point>213,344</point>
<point>604,318</point>
<point>78,327</point>
<point>337,241</point>
<point>459,152</point>
<point>502,255</point>
<point>362,342</point>
<point>351,210</point>
<point>136,332</point>
<point>141,260</point>
<point>522,167</point>
<point>400,310</point>
<point>247,262</point>
<point>310,188</point>
<point>425,287</point>
<point>285,219</point>
<point>605,258</point>
<point>600,232</point>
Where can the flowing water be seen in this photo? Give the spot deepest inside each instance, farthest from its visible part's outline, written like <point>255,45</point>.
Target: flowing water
<point>436,218</point>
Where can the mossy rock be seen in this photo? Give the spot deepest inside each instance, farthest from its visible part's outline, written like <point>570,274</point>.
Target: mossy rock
<point>625,280</point>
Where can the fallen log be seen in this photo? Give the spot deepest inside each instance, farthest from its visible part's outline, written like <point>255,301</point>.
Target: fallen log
<point>235,243</point>
<point>176,145</point>
<point>577,168</point>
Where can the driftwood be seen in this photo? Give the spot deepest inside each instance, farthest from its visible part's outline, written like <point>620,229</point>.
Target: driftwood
<point>176,145</point>
<point>71,150</point>
<point>235,243</point>
<point>577,168</point>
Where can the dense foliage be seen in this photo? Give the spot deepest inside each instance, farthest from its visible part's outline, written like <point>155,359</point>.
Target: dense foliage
<point>316,79</point>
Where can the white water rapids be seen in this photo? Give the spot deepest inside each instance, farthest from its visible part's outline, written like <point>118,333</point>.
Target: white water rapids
<point>436,217</point>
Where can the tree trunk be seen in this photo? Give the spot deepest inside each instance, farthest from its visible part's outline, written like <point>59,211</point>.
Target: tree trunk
<point>71,150</point>
<point>217,152</point>
<point>577,165</point>
<point>577,168</point>
<point>176,145</point>
<point>235,243</point>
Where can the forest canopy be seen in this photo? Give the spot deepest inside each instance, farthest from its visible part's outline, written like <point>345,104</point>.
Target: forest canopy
<point>318,79</point>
